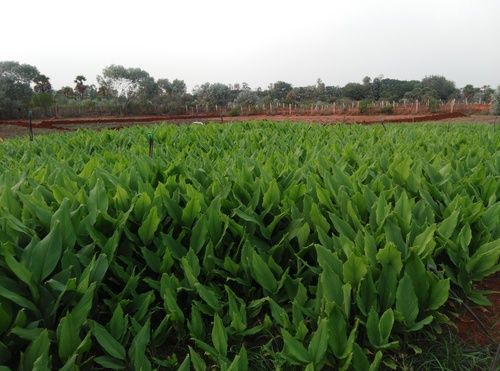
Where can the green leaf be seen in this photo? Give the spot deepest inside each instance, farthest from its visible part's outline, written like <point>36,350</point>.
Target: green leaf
<point>262,274</point>
<point>219,336</point>
<point>272,196</point>
<point>185,365</point>
<point>68,338</point>
<point>137,351</point>
<point>406,300</point>
<point>318,219</point>
<point>389,256</point>
<point>45,254</point>
<point>191,211</point>
<point>149,226</point>
<point>108,342</point>
<point>97,201</point>
<point>208,296</point>
<point>372,328</point>
<point>37,353</point>
<point>196,360</point>
<point>294,348</point>
<point>118,323</point>
<point>484,261</point>
<point>439,293</point>
<point>354,270</point>
<point>109,363</point>
<point>424,243</point>
<point>21,272</point>
<point>319,342</point>
<point>447,226</point>
<point>385,325</point>
<point>64,217</point>
<point>199,235</point>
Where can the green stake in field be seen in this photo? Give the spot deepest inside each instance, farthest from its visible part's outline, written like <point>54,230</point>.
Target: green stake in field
<point>151,142</point>
<point>30,125</point>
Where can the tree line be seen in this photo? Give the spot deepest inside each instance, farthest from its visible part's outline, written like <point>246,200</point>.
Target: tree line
<point>126,91</point>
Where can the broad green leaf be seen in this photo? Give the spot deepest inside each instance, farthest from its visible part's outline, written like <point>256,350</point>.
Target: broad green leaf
<point>219,336</point>
<point>149,226</point>
<point>271,196</point>
<point>448,225</point>
<point>319,342</point>
<point>108,342</point>
<point>295,349</point>
<point>137,351</point>
<point>354,270</point>
<point>262,274</point>
<point>68,338</point>
<point>406,300</point>
<point>45,254</point>
<point>438,295</point>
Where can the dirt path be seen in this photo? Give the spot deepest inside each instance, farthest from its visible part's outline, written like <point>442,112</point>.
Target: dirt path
<point>9,128</point>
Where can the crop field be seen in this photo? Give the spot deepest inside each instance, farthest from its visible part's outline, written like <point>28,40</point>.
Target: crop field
<point>258,245</point>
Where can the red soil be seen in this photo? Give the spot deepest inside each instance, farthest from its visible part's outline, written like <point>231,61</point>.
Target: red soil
<point>66,124</point>
<point>469,328</point>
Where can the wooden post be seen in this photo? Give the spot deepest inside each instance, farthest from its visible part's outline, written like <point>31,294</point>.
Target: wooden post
<point>416,106</point>
<point>151,144</point>
<point>334,108</point>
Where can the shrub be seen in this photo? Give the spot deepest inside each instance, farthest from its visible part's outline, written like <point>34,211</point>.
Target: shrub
<point>495,108</point>
<point>364,106</point>
<point>235,111</point>
<point>433,105</point>
<point>387,110</point>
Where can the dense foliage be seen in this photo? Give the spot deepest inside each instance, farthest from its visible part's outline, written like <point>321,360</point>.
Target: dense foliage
<point>123,90</point>
<point>257,243</point>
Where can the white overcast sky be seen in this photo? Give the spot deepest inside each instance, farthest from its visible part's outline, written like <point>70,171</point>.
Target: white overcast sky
<point>256,41</point>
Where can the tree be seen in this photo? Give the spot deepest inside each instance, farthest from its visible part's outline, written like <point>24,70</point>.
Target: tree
<point>44,100</point>
<point>20,73</point>
<point>213,94</point>
<point>355,91</point>
<point>247,98</point>
<point>444,88</point>
<point>174,88</point>
<point>80,87</point>
<point>15,89</point>
<point>487,93</point>
<point>67,92</point>
<point>42,84</point>
<point>172,97</point>
<point>395,90</point>
<point>468,91</point>
<point>129,84</point>
<point>279,90</point>
<point>376,88</point>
